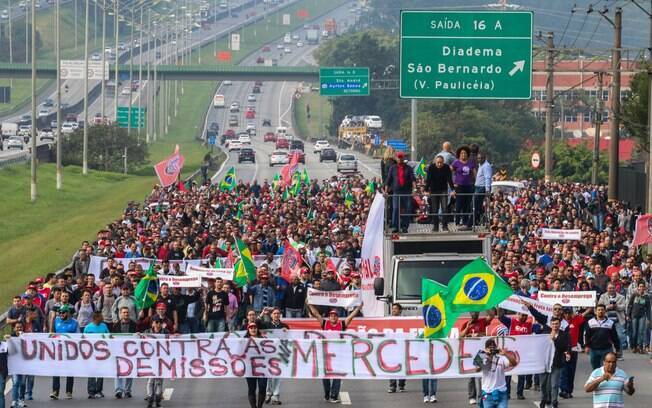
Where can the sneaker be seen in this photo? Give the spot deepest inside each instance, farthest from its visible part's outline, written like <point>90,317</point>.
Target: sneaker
<point>401,389</point>
<point>118,395</point>
<point>521,397</point>
<point>69,395</point>
<point>335,400</point>
<point>536,387</point>
<point>268,398</point>
<point>91,396</point>
<point>99,395</point>
<point>327,398</point>
<point>128,394</point>
<point>54,396</point>
<point>472,401</point>
<point>426,399</point>
<point>391,390</point>
<point>433,398</point>
<point>563,395</point>
<point>29,397</point>
<point>276,402</point>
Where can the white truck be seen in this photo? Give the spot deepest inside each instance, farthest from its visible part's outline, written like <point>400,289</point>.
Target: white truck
<point>9,129</point>
<point>410,257</point>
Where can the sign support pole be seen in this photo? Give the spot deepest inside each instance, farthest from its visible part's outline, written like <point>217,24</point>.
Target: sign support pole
<point>413,129</point>
<point>550,105</point>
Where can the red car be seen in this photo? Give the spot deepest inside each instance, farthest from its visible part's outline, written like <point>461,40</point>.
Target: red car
<point>282,143</point>
<point>302,155</point>
<point>269,137</point>
<point>250,115</point>
<point>230,133</point>
<point>266,48</point>
<point>258,83</point>
<point>260,60</point>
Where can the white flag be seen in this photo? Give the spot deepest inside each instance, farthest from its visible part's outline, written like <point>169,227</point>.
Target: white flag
<point>371,258</point>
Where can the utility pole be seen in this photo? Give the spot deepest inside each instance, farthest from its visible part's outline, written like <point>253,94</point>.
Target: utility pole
<point>76,25</point>
<point>550,104</point>
<point>140,73</point>
<point>85,147</point>
<point>131,72</point>
<point>649,122</point>
<point>598,123</point>
<point>117,38</point>
<point>33,153</point>
<point>413,129</point>
<point>57,37</point>
<point>614,124</point>
<point>148,93</point>
<point>103,84</point>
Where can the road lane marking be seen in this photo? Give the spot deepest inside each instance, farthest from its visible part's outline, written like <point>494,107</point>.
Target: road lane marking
<point>280,100</point>
<point>346,399</point>
<point>167,394</point>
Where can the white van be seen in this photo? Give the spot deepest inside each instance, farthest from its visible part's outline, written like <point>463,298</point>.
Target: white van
<point>287,39</point>
<point>281,131</point>
<point>218,101</point>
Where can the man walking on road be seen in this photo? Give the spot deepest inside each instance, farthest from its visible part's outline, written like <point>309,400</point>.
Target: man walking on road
<point>397,309</point>
<point>600,337</point>
<point>272,321</point>
<point>64,323</point>
<point>608,382</point>
<point>492,363</point>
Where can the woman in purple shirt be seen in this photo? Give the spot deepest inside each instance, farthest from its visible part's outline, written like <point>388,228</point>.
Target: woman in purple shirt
<point>464,171</point>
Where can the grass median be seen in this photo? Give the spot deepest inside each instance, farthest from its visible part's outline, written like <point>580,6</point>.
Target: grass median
<point>320,113</point>
<point>37,238</point>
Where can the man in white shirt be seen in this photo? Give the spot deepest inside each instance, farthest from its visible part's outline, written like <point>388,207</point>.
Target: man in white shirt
<point>493,362</point>
<point>482,187</point>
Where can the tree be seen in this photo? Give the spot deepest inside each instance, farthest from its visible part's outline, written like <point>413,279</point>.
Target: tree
<point>635,109</point>
<point>18,41</point>
<point>106,147</point>
<point>572,163</point>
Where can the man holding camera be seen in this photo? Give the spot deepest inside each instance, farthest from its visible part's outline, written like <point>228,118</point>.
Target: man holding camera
<point>493,362</point>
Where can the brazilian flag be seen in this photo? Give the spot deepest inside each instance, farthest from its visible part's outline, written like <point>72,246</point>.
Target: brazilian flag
<point>244,269</point>
<point>370,188</point>
<point>146,291</point>
<point>238,215</point>
<point>476,287</point>
<point>276,182</point>
<point>438,320</point>
<point>421,169</point>
<point>305,179</point>
<point>286,195</point>
<point>348,199</point>
<point>228,184</point>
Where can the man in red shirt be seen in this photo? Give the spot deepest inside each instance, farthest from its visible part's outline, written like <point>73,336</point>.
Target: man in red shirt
<point>615,267</point>
<point>567,378</point>
<point>517,326</point>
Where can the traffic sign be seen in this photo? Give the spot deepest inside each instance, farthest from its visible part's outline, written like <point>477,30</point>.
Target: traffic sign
<point>397,144</point>
<point>212,140</point>
<point>466,54</point>
<point>137,117</point>
<point>344,81</point>
<point>74,69</point>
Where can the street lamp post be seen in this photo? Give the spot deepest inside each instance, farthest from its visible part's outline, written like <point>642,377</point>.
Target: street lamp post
<point>33,153</point>
<point>85,147</point>
<point>131,72</point>
<point>149,85</point>
<point>140,68</point>
<point>117,38</point>
<point>57,37</point>
<point>103,85</point>
<point>27,35</point>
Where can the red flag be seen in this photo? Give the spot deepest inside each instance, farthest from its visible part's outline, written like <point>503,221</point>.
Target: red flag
<point>290,262</point>
<point>169,169</point>
<point>223,56</point>
<point>330,266</point>
<point>643,231</point>
<point>288,170</point>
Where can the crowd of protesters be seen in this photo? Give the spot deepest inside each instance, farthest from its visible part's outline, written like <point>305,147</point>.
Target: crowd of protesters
<point>191,221</point>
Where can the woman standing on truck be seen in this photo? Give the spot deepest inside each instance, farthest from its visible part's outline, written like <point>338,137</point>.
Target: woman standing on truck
<point>464,171</point>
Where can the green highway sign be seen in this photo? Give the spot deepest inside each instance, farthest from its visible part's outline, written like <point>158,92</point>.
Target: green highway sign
<point>137,117</point>
<point>343,81</point>
<point>466,54</point>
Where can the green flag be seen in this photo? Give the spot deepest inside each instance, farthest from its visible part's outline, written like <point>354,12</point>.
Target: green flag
<point>438,319</point>
<point>370,188</point>
<point>296,188</point>
<point>244,268</point>
<point>218,263</point>
<point>305,179</point>
<point>238,215</point>
<point>348,199</point>
<point>311,214</point>
<point>286,194</point>
<point>276,181</point>
<point>421,169</point>
<point>228,184</point>
<point>476,287</point>
<point>146,291</point>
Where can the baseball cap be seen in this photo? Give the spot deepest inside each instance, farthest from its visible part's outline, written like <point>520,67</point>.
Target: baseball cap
<point>38,280</point>
<point>332,311</point>
<point>400,155</point>
<point>64,309</point>
<point>250,325</point>
<point>355,275</point>
<point>31,287</point>
<point>27,296</point>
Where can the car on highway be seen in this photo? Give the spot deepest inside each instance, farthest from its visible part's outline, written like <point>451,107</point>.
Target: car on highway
<point>301,156</point>
<point>296,144</point>
<point>67,127</point>
<point>25,120</point>
<point>251,98</point>
<point>227,82</point>
<point>278,157</point>
<point>53,123</point>
<point>233,120</point>
<point>230,133</point>
<point>250,115</point>
<point>122,47</point>
<point>260,60</point>
<point>126,91</point>
<point>258,83</point>
<point>15,142</point>
<point>25,131</point>
<point>287,50</point>
<point>43,113</point>
<point>244,138</point>
<point>97,118</point>
<point>373,122</point>
<point>4,15</point>
<point>299,44</point>
<point>327,154</point>
<point>267,122</point>
<point>235,107</point>
<point>266,48</point>
<point>46,134</point>
<point>347,162</point>
<point>48,103</point>
<point>247,154</point>
<point>295,37</point>
<point>71,117</point>
<point>282,143</point>
<point>255,89</point>
<point>96,57</point>
<point>320,145</point>
<point>279,46</point>
<point>234,145</point>
<point>269,137</point>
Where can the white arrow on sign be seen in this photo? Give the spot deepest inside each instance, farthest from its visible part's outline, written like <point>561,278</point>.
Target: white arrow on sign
<point>518,66</point>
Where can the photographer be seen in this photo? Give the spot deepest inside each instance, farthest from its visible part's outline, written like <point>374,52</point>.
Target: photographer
<point>493,362</point>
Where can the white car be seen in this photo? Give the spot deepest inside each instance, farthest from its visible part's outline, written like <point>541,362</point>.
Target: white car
<point>278,157</point>
<point>279,46</point>
<point>15,142</point>
<point>227,82</point>
<point>287,50</point>
<point>321,144</point>
<point>347,162</point>
<point>42,113</point>
<point>235,107</point>
<point>25,130</point>
<point>235,145</point>
<point>96,57</point>
<point>125,91</point>
<point>373,122</point>
<point>67,128</point>
<point>251,98</point>
<point>244,139</point>
<point>507,187</point>
<point>250,126</point>
<point>299,44</point>
<point>295,37</point>
<point>46,134</point>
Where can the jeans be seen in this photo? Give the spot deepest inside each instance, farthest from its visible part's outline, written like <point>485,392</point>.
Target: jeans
<point>478,202</point>
<point>550,386</point>
<point>29,386</point>
<point>56,384</point>
<point>489,402</point>
<point>639,327</point>
<point>216,325</point>
<point>596,356</point>
<point>95,385</point>
<point>154,389</point>
<point>402,204</point>
<point>18,389</point>
<point>567,380</point>
<point>429,387</point>
<point>622,336</point>
<point>392,384</point>
<point>290,312</point>
<point>475,388</point>
<point>598,221</point>
<point>194,324</point>
<point>3,383</point>
<point>274,388</point>
<point>123,385</point>
<point>439,201</point>
<point>463,204</point>
<point>251,386</point>
<point>331,388</point>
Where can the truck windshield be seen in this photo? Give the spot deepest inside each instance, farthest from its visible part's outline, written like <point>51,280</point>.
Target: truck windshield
<point>410,273</point>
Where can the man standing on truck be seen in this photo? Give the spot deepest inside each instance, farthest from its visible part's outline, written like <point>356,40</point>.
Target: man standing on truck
<point>400,182</point>
<point>439,181</point>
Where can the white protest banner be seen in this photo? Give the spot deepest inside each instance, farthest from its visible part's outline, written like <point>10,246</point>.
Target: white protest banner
<point>561,234</point>
<point>515,304</point>
<point>210,273</point>
<point>575,299</point>
<point>378,357</point>
<point>334,298</point>
<point>180,281</point>
<point>371,258</point>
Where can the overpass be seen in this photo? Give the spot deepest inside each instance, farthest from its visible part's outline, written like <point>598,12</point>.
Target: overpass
<point>182,72</point>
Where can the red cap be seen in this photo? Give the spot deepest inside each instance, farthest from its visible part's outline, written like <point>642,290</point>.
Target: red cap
<point>400,155</point>
<point>355,275</point>
<point>161,305</point>
<point>31,287</point>
<point>250,325</point>
<point>332,311</point>
<point>39,280</point>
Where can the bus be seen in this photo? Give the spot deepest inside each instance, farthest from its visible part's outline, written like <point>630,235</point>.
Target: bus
<point>218,101</point>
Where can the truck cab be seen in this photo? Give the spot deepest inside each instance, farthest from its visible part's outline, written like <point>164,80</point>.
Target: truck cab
<point>412,256</point>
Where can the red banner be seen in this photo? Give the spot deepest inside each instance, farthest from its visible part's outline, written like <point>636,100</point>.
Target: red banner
<point>169,169</point>
<point>303,13</point>
<point>223,56</point>
<point>643,231</point>
<point>290,262</point>
<point>288,170</point>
